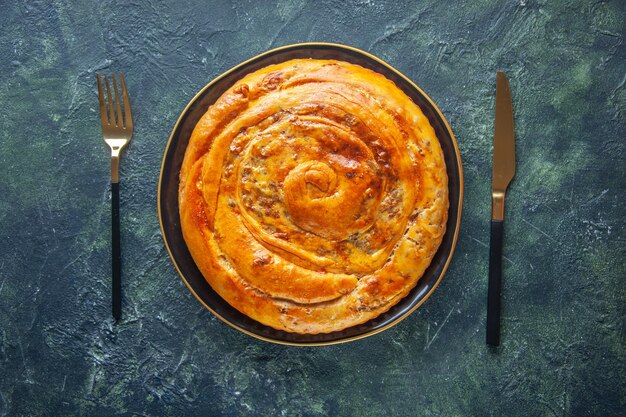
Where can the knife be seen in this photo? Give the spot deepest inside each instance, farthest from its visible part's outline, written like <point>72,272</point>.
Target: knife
<point>503,172</point>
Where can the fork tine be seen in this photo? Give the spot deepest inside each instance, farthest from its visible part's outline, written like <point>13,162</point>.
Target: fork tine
<point>117,103</point>
<point>104,118</point>
<point>128,121</point>
<point>112,110</point>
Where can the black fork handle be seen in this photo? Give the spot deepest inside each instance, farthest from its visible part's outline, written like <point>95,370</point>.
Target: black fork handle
<point>116,255</point>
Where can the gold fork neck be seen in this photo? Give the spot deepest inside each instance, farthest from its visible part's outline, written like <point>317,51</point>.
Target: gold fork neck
<point>116,146</point>
<point>115,168</point>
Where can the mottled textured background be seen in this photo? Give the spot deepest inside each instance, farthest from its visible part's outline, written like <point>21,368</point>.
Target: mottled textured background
<point>563,350</point>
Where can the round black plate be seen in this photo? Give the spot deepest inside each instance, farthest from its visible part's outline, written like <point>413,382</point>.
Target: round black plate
<point>169,180</point>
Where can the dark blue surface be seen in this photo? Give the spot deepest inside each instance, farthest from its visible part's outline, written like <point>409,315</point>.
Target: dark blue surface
<point>562,351</point>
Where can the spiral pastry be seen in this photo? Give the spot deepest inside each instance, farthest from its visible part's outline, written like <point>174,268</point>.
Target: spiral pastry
<point>313,195</point>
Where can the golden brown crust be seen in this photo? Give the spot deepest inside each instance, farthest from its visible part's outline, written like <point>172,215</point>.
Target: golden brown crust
<point>313,195</point>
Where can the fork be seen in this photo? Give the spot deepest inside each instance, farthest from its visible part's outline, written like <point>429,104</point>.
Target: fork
<point>117,132</point>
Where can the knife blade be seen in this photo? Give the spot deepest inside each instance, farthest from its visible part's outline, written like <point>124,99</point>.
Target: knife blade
<point>503,172</point>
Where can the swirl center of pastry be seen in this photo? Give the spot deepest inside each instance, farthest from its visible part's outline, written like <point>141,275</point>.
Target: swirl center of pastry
<point>321,202</point>
<point>314,179</point>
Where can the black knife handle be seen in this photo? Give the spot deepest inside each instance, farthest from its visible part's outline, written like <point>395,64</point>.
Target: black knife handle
<point>495,283</point>
<point>116,283</point>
